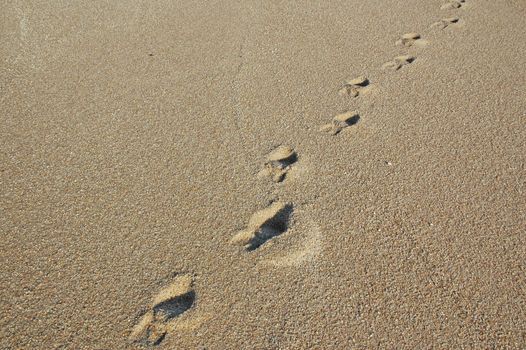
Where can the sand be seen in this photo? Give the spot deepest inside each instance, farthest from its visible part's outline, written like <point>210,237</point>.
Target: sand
<point>133,133</point>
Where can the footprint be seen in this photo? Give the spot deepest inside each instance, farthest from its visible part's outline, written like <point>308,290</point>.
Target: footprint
<point>452,4</point>
<point>278,163</point>
<point>340,122</point>
<point>354,86</point>
<point>398,62</point>
<point>170,303</point>
<point>445,22</point>
<point>408,39</point>
<point>264,225</point>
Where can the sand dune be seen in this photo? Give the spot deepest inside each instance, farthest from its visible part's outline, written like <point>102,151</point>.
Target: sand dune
<point>263,174</point>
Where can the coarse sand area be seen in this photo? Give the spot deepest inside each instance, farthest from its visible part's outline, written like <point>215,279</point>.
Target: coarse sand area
<point>305,174</point>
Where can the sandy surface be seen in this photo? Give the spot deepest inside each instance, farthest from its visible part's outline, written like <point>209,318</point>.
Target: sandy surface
<point>133,137</point>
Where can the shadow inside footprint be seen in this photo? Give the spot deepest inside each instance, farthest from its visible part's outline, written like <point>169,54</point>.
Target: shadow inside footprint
<point>409,39</point>
<point>278,163</point>
<point>272,228</point>
<point>174,307</point>
<point>283,163</point>
<point>171,302</point>
<point>398,62</point>
<point>354,87</point>
<point>353,120</point>
<point>343,124</point>
<point>445,22</point>
<point>340,122</point>
<point>264,225</point>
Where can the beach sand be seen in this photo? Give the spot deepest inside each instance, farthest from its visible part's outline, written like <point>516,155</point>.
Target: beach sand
<point>211,175</point>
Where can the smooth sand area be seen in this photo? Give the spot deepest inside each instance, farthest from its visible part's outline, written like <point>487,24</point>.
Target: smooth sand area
<point>182,174</point>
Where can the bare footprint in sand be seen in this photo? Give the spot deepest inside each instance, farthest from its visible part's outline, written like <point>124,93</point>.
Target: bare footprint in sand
<point>264,225</point>
<point>445,22</point>
<point>340,122</point>
<point>452,4</point>
<point>354,87</point>
<point>168,305</point>
<point>410,39</point>
<point>398,62</point>
<point>278,163</point>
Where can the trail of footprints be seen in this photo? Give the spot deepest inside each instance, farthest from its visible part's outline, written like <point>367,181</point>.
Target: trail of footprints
<point>175,301</point>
